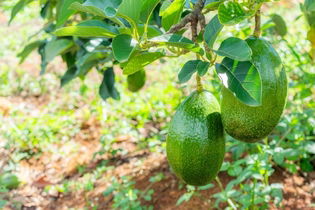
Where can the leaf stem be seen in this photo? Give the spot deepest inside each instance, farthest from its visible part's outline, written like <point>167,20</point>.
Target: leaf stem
<point>253,194</point>
<point>257,31</point>
<point>266,176</point>
<point>198,78</point>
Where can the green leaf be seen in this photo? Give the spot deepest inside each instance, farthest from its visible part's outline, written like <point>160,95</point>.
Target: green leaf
<point>310,147</point>
<point>102,8</point>
<point>278,157</point>
<point>172,14</point>
<point>190,68</point>
<point>109,191</point>
<point>136,81</point>
<point>89,60</point>
<point>206,187</point>
<point>140,60</point>
<point>9,181</point>
<point>107,88</point>
<point>46,11</point>
<point>52,49</point>
<point>234,170</point>
<point>28,49</point>
<point>309,5</point>
<point>70,74</point>
<point>56,47</point>
<point>130,10</point>
<point>241,78</point>
<point>213,4</point>
<point>152,31</point>
<point>89,28</point>
<point>231,13</point>
<point>123,45</point>
<point>88,9</point>
<point>176,40</point>
<point>63,11</point>
<point>212,30</point>
<point>280,25</point>
<point>164,6</point>
<point>306,165</point>
<point>202,68</point>
<point>235,48</point>
<point>18,7</point>
<point>147,9</point>
<point>184,198</point>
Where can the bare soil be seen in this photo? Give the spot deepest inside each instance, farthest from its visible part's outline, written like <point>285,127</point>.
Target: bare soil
<point>51,169</point>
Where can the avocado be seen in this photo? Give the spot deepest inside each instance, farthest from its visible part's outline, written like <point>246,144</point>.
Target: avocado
<point>195,143</point>
<point>253,123</point>
<point>136,81</point>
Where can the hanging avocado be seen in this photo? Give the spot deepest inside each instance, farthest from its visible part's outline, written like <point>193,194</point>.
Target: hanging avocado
<point>195,142</point>
<point>253,123</point>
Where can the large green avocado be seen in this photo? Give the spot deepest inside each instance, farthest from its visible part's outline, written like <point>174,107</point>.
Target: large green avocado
<point>195,142</point>
<point>248,123</point>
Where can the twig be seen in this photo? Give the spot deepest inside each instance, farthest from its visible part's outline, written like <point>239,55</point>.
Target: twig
<point>194,33</point>
<point>196,17</point>
<point>193,15</point>
<point>202,21</point>
<point>257,30</point>
<point>180,25</point>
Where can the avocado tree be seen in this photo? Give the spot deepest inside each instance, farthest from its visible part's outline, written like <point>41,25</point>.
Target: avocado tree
<point>131,34</point>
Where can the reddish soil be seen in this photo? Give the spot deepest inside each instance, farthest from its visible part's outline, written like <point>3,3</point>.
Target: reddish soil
<point>54,168</point>
<point>299,191</point>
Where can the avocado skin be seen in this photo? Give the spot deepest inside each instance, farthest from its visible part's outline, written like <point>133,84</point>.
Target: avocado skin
<point>195,142</point>
<point>248,123</point>
<point>136,81</point>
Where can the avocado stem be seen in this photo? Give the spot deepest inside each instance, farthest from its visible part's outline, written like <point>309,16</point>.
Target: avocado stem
<point>198,78</point>
<point>199,84</point>
<point>257,31</point>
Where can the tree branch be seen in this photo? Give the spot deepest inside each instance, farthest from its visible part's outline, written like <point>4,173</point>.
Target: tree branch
<point>257,30</point>
<point>189,18</point>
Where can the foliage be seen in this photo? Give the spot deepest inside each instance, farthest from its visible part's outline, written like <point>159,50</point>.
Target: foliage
<point>146,31</point>
<point>126,196</point>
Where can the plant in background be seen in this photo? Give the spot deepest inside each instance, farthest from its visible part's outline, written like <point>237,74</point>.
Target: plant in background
<point>125,196</point>
<point>8,182</point>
